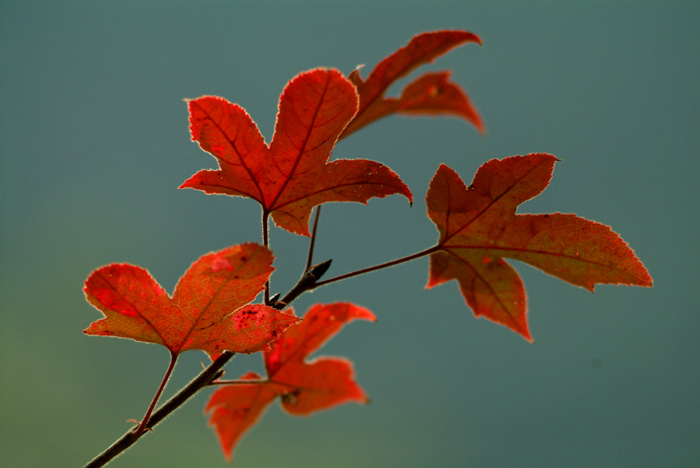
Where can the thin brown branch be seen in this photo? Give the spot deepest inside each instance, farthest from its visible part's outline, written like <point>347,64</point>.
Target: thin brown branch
<point>381,266</point>
<point>144,422</point>
<point>266,243</point>
<point>239,382</point>
<point>208,375</point>
<point>312,243</point>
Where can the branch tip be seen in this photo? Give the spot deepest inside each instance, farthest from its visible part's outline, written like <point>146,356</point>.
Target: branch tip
<point>317,271</point>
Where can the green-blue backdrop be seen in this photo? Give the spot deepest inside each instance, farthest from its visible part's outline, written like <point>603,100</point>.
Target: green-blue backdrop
<point>94,143</point>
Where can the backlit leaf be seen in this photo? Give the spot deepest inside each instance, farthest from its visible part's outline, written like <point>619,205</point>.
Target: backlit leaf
<point>304,386</point>
<point>209,309</point>
<point>478,227</point>
<point>293,174</point>
<point>429,94</point>
<point>236,408</point>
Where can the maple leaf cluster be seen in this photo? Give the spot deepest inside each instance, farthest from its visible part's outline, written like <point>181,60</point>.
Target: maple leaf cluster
<point>478,227</point>
<point>292,175</point>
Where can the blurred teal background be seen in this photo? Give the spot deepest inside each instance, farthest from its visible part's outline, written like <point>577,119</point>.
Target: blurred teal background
<point>94,143</point>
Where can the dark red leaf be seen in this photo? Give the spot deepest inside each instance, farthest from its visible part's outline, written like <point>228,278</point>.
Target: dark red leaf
<point>478,227</point>
<point>429,94</point>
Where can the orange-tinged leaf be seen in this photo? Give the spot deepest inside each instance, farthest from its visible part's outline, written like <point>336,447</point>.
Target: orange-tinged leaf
<point>236,408</point>
<point>293,174</point>
<point>429,94</point>
<point>209,309</point>
<point>478,227</point>
<point>324,382</point>
<point>305,387</point>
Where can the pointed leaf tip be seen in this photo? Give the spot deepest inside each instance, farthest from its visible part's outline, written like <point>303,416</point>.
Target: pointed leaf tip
<point>208,311</point>
<point>479,228</point>
<point>430,94</point>
<point>292,175</point>
<point>303,386</point>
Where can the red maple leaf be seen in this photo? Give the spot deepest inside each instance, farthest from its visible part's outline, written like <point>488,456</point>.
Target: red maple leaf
<point>291,175</point>
<point>478,228</point>
<point>305,387</point>
<point>431,93</point>
<point>209,309</point>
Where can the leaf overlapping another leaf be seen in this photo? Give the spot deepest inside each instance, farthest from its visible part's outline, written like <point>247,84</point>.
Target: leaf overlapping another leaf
<point>293,174</point>
<point>209,309</point>
<point>478,227</point>
<point>305,387</point>
<point>431,93</point>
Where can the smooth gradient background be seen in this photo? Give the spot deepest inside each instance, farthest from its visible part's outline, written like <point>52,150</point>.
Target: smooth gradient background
<point>94,143</point>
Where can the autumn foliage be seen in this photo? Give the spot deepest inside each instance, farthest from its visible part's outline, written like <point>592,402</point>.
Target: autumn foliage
<point>478,228</point>
<point>292,175</point>
<point>212,307</point>
<point>304,387</point>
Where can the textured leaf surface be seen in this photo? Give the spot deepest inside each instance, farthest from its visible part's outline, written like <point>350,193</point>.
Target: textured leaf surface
<point>429,94</point>
<point>293,174</point>
<point>305,387</point>
<point>209,309</point>
<point>478,227</point>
